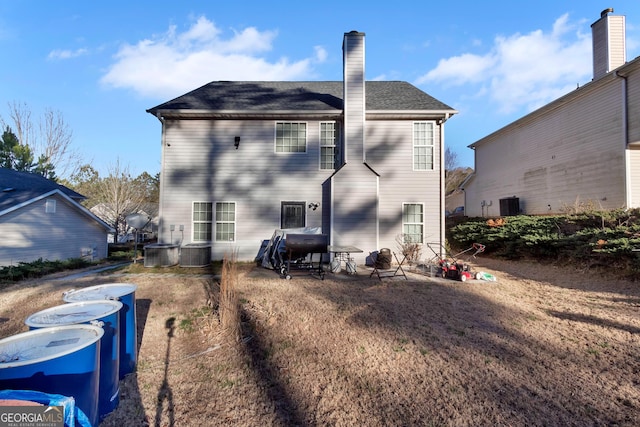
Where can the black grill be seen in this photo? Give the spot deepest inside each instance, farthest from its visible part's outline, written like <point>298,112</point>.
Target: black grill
<point>300,249</point>
<point>302,244</point>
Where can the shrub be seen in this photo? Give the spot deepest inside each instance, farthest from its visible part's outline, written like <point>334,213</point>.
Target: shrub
<point>39,268</point>
<point>590,237</point>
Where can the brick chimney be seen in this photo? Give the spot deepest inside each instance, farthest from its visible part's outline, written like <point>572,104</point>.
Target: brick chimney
<point>609,46</point>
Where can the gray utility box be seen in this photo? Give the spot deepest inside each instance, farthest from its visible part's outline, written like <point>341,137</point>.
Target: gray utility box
<point>160,255</point>
<point>195,255</point>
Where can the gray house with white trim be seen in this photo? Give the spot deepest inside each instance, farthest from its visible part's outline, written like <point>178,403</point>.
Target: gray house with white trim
<point>42,219</point>
<point>363,160</point>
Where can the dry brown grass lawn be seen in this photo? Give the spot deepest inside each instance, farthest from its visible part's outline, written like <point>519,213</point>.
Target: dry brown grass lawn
<point>541,346</point>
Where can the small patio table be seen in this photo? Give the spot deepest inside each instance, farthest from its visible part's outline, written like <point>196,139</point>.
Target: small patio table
<point>343,254</point>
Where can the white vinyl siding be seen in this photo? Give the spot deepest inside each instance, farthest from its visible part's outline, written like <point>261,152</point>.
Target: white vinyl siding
<point>327,145</point>
<point>413,222</point>
<point>423,145</point>
<point>202,217</point>
<point>560,156</point>
<point>201,164</point>
<point>405,184</point>
<point>291,137</point>
<point>225,222</point>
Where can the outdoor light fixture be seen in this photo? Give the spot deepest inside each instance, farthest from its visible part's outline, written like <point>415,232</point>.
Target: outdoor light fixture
<point>236,142</point>
<point>314,206</point>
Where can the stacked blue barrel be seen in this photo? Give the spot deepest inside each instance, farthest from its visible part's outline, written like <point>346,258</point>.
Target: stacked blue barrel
<point>80,349</point>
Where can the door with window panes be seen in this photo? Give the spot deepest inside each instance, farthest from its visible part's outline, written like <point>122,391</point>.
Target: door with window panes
<point>292,215</point>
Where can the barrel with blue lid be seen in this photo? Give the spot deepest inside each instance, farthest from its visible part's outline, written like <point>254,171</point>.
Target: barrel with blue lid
<point>126,294</point>
<point>107,314</point>
<point>63,360</point>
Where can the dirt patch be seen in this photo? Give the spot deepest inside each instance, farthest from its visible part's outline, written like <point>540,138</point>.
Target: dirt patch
<point>542,345</point>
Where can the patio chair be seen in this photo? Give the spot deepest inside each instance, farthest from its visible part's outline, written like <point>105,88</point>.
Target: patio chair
<point>383,268</point>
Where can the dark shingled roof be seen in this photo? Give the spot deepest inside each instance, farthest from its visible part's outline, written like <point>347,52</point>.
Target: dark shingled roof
<point>299,96</point>
<point>20,187</point>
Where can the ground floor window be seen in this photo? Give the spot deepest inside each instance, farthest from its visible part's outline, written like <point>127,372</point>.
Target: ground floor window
<point>225,222</point>
<point>413,222</point>
<point>202,217</point>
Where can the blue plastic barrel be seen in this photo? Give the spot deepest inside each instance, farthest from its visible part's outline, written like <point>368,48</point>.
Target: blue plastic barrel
<point>63,360</point>
<point>126,294</point>
<point>107,313</point>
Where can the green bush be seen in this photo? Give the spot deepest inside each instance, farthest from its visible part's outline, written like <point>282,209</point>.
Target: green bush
<point>39,268</point>
<point>608,238</point>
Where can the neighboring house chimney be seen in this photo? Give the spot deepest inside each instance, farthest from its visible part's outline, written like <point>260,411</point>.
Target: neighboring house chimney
<point>609,47</point>
<point>354,96</point>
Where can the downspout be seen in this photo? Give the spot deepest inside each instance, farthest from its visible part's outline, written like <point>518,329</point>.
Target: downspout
<point>161,196</point>
<point>442,185</point>
<point>625,142</point>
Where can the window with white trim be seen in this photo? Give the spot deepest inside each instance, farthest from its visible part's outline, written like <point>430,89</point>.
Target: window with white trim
<point>291,137</point>
<point>327,145</point>
<point>423,145</point>
<point>202,220</point>
<point>225,222</point>
<point>413,222</point>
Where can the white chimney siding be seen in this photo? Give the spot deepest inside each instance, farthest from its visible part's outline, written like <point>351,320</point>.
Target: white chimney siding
<point>354,96</point>
<point>608,38</point>
<point>354,187</point>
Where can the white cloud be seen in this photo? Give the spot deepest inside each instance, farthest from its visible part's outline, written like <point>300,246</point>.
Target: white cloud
<point>321,53</point>
<point>174,63</point>
<point>522,71</point>
<point>66,54</point>
<point>460,70</point>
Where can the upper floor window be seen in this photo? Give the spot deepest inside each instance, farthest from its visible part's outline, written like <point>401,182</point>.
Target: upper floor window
<point>202,217</point>
<point>413,222</point>
<point>328,145</point>
<point>50,206</point>
<point>291,137</point>
<point>225,222</point>
<point>423,145</point>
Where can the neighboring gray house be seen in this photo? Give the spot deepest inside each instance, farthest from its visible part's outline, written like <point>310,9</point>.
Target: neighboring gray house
<point>42,219</point>
<point>363,161</point>
<point>580,150</point>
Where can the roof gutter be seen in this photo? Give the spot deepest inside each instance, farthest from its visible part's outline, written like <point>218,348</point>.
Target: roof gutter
<point>625,113</point>
<point>242,114</point>
<point>442,182</point>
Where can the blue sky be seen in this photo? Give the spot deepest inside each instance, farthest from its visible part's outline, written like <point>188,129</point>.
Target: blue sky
<point>102,64</point>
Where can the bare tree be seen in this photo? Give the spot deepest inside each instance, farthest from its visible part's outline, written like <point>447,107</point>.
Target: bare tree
<point>454,175</point>
<point>50,138</point>
<point>450,159</point>
<point>118,197</point>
